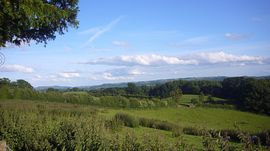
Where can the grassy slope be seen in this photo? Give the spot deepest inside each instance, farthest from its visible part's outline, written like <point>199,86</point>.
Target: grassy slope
<point>215,118</point>
<point>193,141</point>
<point>182,116</point>
<point>142,132</point>
<point>202,117</point>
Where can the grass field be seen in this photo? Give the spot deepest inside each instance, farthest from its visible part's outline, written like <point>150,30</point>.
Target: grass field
<point>214,118</point>
<point>201,117</point>
<point>142,132</point>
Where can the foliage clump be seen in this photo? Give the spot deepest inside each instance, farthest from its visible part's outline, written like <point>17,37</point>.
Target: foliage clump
<point>127,119</point>
<point>38,20</point>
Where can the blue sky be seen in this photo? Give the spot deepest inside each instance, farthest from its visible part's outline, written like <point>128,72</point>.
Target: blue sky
<point>119,41</point>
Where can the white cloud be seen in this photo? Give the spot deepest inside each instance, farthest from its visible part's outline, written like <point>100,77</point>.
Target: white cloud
<point>123,44</point>
<point>118,74</point>
<point>59,77</point>
<point>69,74</point>
<point>98,31</point>
<point>233,36</point>
<point>135,72</point>
<point>193,59</point>
<point>110,76</point>
<point>16,68</point>
<point>144,60</point>
<point>222,57</point>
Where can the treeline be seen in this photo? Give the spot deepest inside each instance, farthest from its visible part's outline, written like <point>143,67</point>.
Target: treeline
<point>251,94</point>
<point>164,90</point>
<point>246,93</point>
<point>22,90</point>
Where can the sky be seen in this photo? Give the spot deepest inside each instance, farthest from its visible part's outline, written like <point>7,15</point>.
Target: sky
<point>126,41</point>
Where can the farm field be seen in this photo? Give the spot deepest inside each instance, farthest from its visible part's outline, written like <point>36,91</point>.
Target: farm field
<point>210,118</point>
<point>201,117</point>
<point>48,117</point>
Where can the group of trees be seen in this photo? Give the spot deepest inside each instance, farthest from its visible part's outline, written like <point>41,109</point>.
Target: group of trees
<point>22,90</point>
<point>247,93</point>
<point>19,89</point>
<point>252,94</point>
<point>169,89</point>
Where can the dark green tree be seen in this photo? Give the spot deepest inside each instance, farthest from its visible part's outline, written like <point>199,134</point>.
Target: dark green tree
<point>132,89</point>
<point>4,81</point>
<point>257,96</point>
<point>176,95</point>
<point>23,84</point>
<point>39,20</point>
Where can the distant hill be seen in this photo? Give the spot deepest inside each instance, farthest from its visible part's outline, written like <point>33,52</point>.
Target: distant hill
<point>43,88</point>
<point>139,83</point>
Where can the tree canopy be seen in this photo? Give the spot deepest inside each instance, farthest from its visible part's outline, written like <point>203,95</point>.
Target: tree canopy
<point>38,20</point>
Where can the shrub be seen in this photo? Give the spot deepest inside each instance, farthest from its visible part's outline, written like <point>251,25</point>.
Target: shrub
<point>152,123</point>
<point>192,131</point>
<point>127,120</point>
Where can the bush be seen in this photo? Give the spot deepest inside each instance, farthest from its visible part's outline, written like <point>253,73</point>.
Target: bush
<point>127,120</point>
<point>152,123</point>
<point>192,131</point>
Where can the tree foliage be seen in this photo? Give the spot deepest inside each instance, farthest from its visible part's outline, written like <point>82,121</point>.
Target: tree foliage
<point>244,93</point>
<point>252,94</point>
<point>37,20</point>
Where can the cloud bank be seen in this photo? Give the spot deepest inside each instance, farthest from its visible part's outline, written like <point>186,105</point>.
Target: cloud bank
<point>163,60</point>
<point>16,68</point>
<point>143,60</point>
<point>222,57</point>
<point>69,74</point>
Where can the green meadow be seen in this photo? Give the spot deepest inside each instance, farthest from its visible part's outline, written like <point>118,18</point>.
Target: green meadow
<point>55,124</point>
<point>209,118</point>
